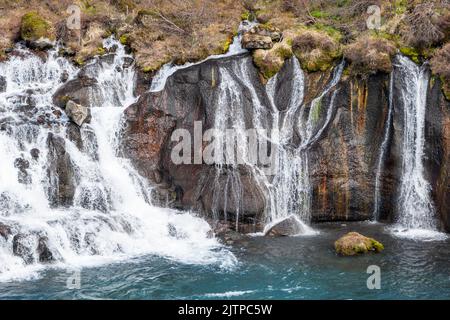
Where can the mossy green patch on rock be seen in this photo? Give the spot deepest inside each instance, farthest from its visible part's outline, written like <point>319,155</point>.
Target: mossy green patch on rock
<point>412,53</point>
<point>354,243</point>
<point>124,40</point>
<point>34,27</point>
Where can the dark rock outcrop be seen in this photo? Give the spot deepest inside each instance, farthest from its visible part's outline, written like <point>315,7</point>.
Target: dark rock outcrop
<point>60,173</point>
<point>5,231</point>
<point>77,90</point>
<point>343,160</point>
<point>2,84</point>
<point>289,226</point>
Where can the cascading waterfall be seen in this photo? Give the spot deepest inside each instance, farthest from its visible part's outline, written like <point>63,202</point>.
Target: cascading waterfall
<point>416,213</point>
<point>287,189</point>
<point>111,217</point>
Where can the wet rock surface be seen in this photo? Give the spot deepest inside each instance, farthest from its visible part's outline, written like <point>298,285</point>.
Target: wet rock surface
<point>60,173</point>
<point>289,226</point>
<point>343,160</point>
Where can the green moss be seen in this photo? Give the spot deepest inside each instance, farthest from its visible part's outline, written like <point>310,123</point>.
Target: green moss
<point>412,53</point>
<point>79,61</point>
<point>226,44</point>
<point>378,246</point>
<point>101,51</point>
<point>400,6</point>
<point>315,111</point>
<point>88,8</point>
<point>247,15</point>
<point>331,31</point>
<point>319,14</point>
<point>124,39</point>
<point>34,27</point>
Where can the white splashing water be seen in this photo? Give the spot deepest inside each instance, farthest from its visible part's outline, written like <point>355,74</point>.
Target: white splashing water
<point>287,189</point>
<point>416,212</point>
<point>111,218</point>
<point>160,79</point>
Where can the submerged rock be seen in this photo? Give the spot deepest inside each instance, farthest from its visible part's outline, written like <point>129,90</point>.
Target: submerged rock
<point>78,113</point>
<point>289,226</point>
<point>354,243</point>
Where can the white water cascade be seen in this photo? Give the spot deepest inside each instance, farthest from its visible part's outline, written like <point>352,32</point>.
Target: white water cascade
<point>416,212</point>
<point>111,217</point>
<point>287,187</point>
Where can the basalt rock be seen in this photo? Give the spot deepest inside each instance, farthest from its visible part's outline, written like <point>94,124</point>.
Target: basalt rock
<point>342,161</point>
<point>77,90</point>
<point>2,84</point>
<point>60,173</point>
<point>289,226</point>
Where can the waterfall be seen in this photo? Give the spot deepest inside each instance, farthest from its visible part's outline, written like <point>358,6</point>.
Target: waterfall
<point>383,150</point>
<point>416,213</point>
<point>286,188</point>
<point>110,217</point>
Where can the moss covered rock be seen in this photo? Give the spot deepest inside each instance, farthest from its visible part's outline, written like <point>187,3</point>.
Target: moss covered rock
<point>271,61</point>
<point>34,27</point>
<point>354,243</point>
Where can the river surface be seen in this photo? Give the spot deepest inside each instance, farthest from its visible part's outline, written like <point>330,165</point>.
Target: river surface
<point>267,268</point>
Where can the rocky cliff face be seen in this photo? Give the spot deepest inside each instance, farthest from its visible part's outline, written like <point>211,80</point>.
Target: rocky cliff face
<point>343,160</point>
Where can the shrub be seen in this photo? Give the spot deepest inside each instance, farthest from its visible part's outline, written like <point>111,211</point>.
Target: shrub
<point>423,26</point>
<point>440,64</point>
<point>369,54</point>
<point>315,50</point>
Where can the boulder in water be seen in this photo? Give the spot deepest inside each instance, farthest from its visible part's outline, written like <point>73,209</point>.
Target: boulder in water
<point>355,243</point>
<point>78,113</point>
<point>289,226</point>
<point>45,255</point>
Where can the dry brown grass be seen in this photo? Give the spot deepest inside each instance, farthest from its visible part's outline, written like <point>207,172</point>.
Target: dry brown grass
<point>370,54</point>
<point>316,50</point>
<point>440,65</point>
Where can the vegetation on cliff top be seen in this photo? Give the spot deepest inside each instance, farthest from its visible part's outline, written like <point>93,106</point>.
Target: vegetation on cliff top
<point>316,31</point>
